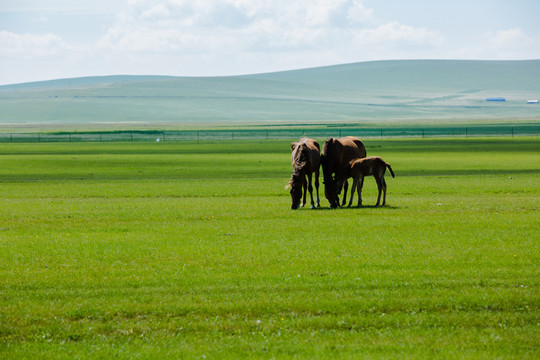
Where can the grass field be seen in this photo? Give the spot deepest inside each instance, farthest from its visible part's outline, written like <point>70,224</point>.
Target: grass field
<point>190,250</point>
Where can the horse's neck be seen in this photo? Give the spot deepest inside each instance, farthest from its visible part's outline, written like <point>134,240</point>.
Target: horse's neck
<point>301,168</point>
<point>337,158</point>
<point>301,160</point>
<point>297,153</point>
<point>340,151</point>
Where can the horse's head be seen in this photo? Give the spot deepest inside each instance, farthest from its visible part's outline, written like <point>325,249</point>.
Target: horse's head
<point>330,192</point>
<point>295,188</point>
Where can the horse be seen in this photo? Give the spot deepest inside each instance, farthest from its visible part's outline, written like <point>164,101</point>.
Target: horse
<point>369,166</point>
<point>306,160</point>
<point>336,154</point>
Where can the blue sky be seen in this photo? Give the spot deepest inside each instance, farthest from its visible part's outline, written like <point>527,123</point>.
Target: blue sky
<point>41,40</point>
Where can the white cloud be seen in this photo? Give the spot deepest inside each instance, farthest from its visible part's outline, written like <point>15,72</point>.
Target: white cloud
<point>513,44</point>
<point>66,6</point>
<point>220,37</point>
<point>223,37</point>
<point>512,38</point>
<point>182,26</point>
<point>218,28</point>
<point>396,35</point>
<point>31,46</point>
<point>507,44</point>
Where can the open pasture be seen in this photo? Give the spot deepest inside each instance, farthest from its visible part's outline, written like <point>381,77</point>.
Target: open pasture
<point>190,250</point>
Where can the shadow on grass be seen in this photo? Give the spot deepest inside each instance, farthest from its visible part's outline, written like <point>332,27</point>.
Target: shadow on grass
<point>354,207</point>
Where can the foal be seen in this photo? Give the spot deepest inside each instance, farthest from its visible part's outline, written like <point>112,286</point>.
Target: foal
<point>369,166</point>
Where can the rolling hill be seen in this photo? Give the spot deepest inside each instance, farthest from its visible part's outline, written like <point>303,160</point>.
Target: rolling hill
<point>371,92</point>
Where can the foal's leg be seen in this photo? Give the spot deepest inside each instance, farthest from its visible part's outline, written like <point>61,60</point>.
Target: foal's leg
<point>360,185</point>
<point>354,185</point>
<point>384,191</point>
<point>379,187</point>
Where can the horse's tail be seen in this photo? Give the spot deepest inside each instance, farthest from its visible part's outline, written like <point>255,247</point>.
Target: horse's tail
<point>390,168</point>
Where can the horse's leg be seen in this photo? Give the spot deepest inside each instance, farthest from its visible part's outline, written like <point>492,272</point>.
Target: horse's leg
<point>304,185</point>
<point>354,185</point>
<point>345,187</point>
<point>310,188</point>
<point>360,185</point>
<point>317,187</point>
<point>379,187</point>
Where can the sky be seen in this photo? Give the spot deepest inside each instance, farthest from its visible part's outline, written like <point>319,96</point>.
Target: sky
<point>52,39</point>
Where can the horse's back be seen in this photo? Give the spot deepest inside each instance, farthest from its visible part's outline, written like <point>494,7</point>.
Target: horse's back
<point>354,146</point>
<point>337,153</point>
<point>313,145</point>
<point>372,165</point>
<point>315,153</point>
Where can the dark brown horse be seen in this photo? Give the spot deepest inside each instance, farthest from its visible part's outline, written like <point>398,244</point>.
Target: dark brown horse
<point>335,156</point>
<point>305,159</point>
<point>370,166</point>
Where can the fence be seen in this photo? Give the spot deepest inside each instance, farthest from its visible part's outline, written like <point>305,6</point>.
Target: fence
<point>266,134</point>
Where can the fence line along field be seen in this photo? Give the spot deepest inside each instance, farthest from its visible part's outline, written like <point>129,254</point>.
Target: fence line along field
<point>276,132</point>
<point>190,250</point>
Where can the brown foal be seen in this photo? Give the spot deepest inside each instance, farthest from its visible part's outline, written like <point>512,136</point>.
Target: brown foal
<point>369,166</point>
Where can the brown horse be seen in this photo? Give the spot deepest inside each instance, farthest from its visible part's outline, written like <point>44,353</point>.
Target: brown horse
<point>306,160</point>
<point>370,166</point>
<point>336,154</point>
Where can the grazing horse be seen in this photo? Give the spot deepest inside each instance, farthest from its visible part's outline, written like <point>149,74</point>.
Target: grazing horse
<point>370,166</point>
<point>306,160</point>
<point>336,154</point>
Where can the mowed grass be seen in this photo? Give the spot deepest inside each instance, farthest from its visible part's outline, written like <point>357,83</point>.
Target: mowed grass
<point>190,250</point>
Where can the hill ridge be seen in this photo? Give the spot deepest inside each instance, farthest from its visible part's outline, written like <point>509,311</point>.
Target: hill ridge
<point>380,91</point>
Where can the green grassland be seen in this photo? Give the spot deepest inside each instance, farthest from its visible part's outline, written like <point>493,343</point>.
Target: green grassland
<point>190,250</point>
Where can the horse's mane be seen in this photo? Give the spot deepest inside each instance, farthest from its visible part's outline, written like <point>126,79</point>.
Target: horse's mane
<point>300,141</point>
<point>301,157</point>
<point>326,146</point>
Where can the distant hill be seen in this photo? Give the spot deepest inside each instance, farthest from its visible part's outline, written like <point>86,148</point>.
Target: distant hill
<point>371,92</point>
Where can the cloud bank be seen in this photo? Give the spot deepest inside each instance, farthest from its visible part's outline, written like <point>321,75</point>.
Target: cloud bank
<point>224,37</point>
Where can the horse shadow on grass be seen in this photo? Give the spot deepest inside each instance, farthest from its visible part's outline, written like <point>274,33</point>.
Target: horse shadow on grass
<point>354,207</point>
